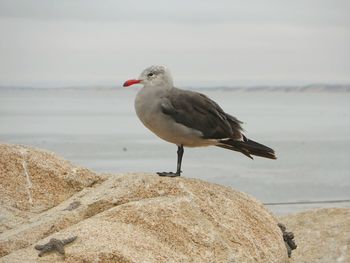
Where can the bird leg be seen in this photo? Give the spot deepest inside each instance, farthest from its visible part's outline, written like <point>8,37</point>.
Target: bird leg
<point>180,152</point>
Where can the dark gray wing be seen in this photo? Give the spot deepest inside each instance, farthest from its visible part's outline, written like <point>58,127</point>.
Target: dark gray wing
<point>197,111</point>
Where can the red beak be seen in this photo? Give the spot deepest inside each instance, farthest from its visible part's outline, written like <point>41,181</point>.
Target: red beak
<point>131,82</point>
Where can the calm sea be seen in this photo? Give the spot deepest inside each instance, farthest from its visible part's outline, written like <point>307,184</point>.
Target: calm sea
<point>98,129</point>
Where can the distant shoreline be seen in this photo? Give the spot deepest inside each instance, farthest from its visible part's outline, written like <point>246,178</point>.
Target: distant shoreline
<point>271,88</point>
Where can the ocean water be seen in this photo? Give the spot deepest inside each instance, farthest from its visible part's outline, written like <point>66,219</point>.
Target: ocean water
<point>98,128</point>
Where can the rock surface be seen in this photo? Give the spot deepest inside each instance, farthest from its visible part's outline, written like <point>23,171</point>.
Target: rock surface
<point>31,182</point>
<point>34,180</point>
<point>126,218</point>
<point>322,235</point>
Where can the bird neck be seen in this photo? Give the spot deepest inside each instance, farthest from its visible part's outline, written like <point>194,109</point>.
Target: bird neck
<point>158,88</point>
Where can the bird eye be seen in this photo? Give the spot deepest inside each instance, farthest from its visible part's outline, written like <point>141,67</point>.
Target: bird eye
<point>150,74</point>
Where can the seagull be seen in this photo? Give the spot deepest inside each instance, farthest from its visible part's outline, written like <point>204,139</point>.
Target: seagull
<point>187,118</point>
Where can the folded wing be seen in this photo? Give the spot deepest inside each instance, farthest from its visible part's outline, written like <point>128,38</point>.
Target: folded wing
<point>199,112</point>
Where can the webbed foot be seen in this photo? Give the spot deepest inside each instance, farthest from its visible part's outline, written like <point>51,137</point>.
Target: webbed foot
<point>168,174</point>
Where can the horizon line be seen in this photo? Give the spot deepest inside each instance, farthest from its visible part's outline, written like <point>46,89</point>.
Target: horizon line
<point>240,86</point>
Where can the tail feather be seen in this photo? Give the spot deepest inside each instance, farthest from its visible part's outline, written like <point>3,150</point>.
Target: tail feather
<point>248,147</point>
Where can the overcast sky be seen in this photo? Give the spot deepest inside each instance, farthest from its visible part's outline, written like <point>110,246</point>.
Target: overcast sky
<point>87,42</point>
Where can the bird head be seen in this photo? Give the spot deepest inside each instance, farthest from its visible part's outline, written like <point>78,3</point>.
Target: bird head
<point>153,76</point>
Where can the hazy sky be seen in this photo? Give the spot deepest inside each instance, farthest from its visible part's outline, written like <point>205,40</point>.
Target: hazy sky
<point>76,42</point>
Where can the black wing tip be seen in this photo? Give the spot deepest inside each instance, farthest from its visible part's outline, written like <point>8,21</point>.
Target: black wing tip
<point>249,148</point>
<point>272,156</point>
<point>268,155</point>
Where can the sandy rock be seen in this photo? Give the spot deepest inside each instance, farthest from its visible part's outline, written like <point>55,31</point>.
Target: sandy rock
<point>322,235</point>
<point>33,181</point>
<point>144,218</point>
